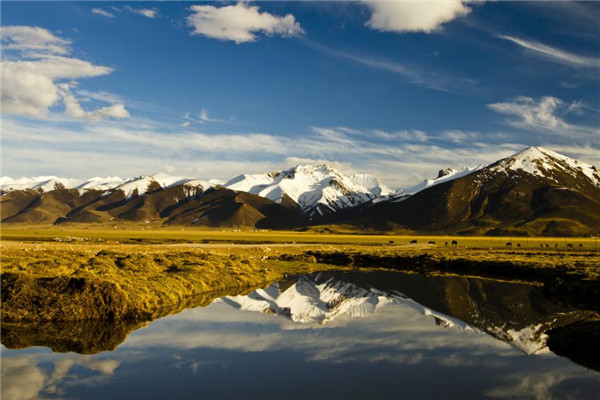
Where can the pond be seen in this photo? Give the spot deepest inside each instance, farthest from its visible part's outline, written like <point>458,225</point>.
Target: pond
<point>318,336</point>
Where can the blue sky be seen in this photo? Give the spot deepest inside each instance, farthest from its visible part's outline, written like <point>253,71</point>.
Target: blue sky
<point>215,89</point>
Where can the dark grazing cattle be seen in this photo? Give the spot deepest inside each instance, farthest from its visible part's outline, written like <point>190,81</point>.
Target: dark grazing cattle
<point>413,241</point>
<point>509,244</point>
<point>431,242</point>
<point>454,243</point>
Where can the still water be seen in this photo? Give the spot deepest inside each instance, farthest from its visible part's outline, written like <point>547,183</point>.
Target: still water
<point>319,336</point>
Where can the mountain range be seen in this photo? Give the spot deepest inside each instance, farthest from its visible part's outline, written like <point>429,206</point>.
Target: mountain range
<point>533,192</point>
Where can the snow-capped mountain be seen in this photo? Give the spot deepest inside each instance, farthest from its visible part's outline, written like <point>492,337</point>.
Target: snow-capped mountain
<point>318,190</point>
<point>548,164</point>
<point>47,183</point>
<point>533,160</point>
<point>533,192</point>
<point>444,175</point>
<point>142,184</point>
<point>137,185</point>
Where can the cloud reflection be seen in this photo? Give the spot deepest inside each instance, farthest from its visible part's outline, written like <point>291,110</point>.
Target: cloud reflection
<point>23,378</point>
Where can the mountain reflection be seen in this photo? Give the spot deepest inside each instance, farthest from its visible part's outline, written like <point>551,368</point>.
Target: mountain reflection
<point>322,334</point>
<point>514,313</point>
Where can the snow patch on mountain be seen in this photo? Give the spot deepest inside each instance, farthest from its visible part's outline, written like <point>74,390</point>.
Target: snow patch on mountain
<point>98,183</point>
<point>48,183</point>
<point>449,175</point>
<point>129,186</point>
<point>318,190</point>
<point>541,162</point>
<point>140,185</point>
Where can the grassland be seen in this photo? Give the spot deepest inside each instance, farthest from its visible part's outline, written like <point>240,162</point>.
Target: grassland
<point>149,234</point>
<point>126,274</point>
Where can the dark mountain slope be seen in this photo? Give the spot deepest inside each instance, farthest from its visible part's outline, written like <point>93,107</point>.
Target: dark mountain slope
<point>534,192</point>
<point>44,208</point>
<point>176,205</point>
<point>224,207</point>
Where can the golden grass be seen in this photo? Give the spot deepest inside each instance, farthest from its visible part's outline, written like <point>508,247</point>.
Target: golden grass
<point>133,280</point>
<point>152,235</point>
<point>100,274</point>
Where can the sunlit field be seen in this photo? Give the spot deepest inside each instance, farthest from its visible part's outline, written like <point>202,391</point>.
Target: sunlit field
<point>191,235</point>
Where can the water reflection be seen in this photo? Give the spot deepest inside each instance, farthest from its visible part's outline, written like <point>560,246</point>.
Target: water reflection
<point>321,336</point>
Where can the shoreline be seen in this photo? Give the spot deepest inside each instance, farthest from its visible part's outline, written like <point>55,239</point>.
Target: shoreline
<point>61,281</point>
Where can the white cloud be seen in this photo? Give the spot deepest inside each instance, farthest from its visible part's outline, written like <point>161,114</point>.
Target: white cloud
<point>23,379</point>
<point>42,76</point>
<point>144,12</point>
<point>544,115</point>
<point>460,136</point>
<point>239,23</point>
<point>103,96</point>
<point>99,11</point>
<point>32,38</point>
<point>414,16</point>
<point>73,108</point>
<point>148,13</point>
<point>127,149</point>
<point>408,135</point>
<point>554,54</point>
<point>26,93</point>
<point>202,118</point>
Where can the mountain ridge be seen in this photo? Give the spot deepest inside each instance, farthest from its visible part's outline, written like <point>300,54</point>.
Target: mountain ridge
<point>533,192</point>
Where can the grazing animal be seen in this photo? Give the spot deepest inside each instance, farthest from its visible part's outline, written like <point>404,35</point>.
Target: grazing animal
<point>580,245</point>
<point>446,244</point>
<point>391,242</point>
<point>547,245</point>
<point>569,244</point>
<point>431,242</point>
<point>519,245</point>
<point>413,241</point>
<point>509,244</point>
<point>454,243</point>
<point>555,245</point>
<point>541,245</point>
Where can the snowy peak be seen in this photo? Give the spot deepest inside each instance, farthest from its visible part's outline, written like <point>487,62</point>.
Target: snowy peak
<point>444,175</point>
<point>146,183</point>
<point>48,183</point>
<point>130,187</point>
<point>317,189</point>
<point>545,163</point>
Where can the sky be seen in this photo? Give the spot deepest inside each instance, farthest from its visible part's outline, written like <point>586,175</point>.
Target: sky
<point>215,89</point>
